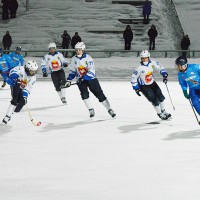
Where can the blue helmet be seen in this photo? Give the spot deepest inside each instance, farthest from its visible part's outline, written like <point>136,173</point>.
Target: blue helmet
<point>181,61</point>
<point>18,48</point>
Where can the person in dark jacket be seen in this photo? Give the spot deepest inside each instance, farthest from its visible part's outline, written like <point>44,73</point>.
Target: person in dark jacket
<point>128,37</point>
<point>146,11</point>
<point>5,9</point>
<point>75,39</point>
<point>13,6</point>
<point>66,41</point>
<point>152,33</point>
<point>7,41</point>
<point>185,43</point>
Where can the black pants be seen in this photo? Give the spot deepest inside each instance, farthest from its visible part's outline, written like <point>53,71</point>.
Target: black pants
<point>146,19</point>
<point>5,14</point>
<point>153,93</point>
<point>151,43</point>
<point>58,77</point>
<point>94,87</point>
<point>17,98</point>
<point>65,46</point>
<point>127,45</point>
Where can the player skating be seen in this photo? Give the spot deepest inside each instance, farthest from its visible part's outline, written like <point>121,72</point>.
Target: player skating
<point>21,79</point>
<point>143,81</point>
<point>82,67</point>
<point>6,64</point>
<point>55,61</point>
<point>189,80</point>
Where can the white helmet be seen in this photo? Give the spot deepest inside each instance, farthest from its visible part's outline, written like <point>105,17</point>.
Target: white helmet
<point>144,54</point>
<point>80,45</point>
<point>52,45</point>
<point>31,67</point>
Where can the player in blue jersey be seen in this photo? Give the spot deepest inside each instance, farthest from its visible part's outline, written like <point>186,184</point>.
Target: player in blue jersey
<point>83,68</point>
<point>189,80</point>
<point>21,79</point>
<point>6,64</point>
<point>17,57</point>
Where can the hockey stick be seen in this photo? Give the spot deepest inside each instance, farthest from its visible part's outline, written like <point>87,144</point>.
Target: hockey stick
<point>194,112</point>
<point>69,86</point>
<point>170,97</point>
<point>30,116</point>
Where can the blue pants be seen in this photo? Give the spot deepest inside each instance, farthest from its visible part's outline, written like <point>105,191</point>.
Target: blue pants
<point>195,98</point>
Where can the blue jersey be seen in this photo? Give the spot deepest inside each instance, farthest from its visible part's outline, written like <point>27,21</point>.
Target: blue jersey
<point>6,64</point>
<point>190,78</point>
<point>17,59</point>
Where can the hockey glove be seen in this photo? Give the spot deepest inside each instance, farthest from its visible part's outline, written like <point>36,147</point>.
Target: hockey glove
<point>80,80</point>
<point>66,84</point>
<point>165,78</point>
<point>45,74</point>
<point>186,94</point>
<point>138,92</point>
<point>25,100</point>
<point>0,71</point>
<point>65,65</point>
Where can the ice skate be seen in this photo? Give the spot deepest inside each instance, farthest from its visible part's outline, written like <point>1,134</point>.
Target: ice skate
<point>111,112</point>
<point>167,114</point>
<point>63,99</point>
<point>5,120</point>
<point>162,116</point>
<point>92,113</point>
<point>3,85</point>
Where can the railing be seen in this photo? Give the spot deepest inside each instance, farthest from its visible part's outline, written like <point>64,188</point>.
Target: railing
<point>114,52</point>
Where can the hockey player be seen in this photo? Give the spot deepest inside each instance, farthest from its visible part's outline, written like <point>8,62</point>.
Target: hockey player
<point>189,78</point>
<point>6,64</point>
<point>143,81</point>
<point>55,61</point>
<point>17,57</point>
<point>82,67</point>
<point>21,79</point>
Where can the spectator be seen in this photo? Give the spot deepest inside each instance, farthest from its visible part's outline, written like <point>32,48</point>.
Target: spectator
<point>146,11</point>
<point>185,43</point>
<point>66,41</point>
<point>128,37</point>
<point>75,39</point>
<point>5,9</point>
<point>7,41</point>
<point>13,6</point>
<point>152,33</point>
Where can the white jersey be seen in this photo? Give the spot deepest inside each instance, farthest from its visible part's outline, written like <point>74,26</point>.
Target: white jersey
<point>26,82</point>
<point>83,66</point>
<point>144,74</point>
<point>54,62</point>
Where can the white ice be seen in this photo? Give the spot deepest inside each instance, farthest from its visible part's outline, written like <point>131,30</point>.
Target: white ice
<point>72,157</point>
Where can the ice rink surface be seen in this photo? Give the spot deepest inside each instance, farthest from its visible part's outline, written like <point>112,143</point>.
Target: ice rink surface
<point>133,157</point>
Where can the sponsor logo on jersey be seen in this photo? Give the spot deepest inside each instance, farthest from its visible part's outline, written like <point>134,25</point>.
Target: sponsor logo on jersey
<point>23,83</point>
<point>82,70</point>
<point>55,65</point>
<point>149,77</point>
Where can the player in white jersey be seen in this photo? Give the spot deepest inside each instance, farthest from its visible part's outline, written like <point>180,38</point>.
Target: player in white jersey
<point>21,79</point>
<point>143,81</point>
<point>82,67</point>
<point>54,62</point>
